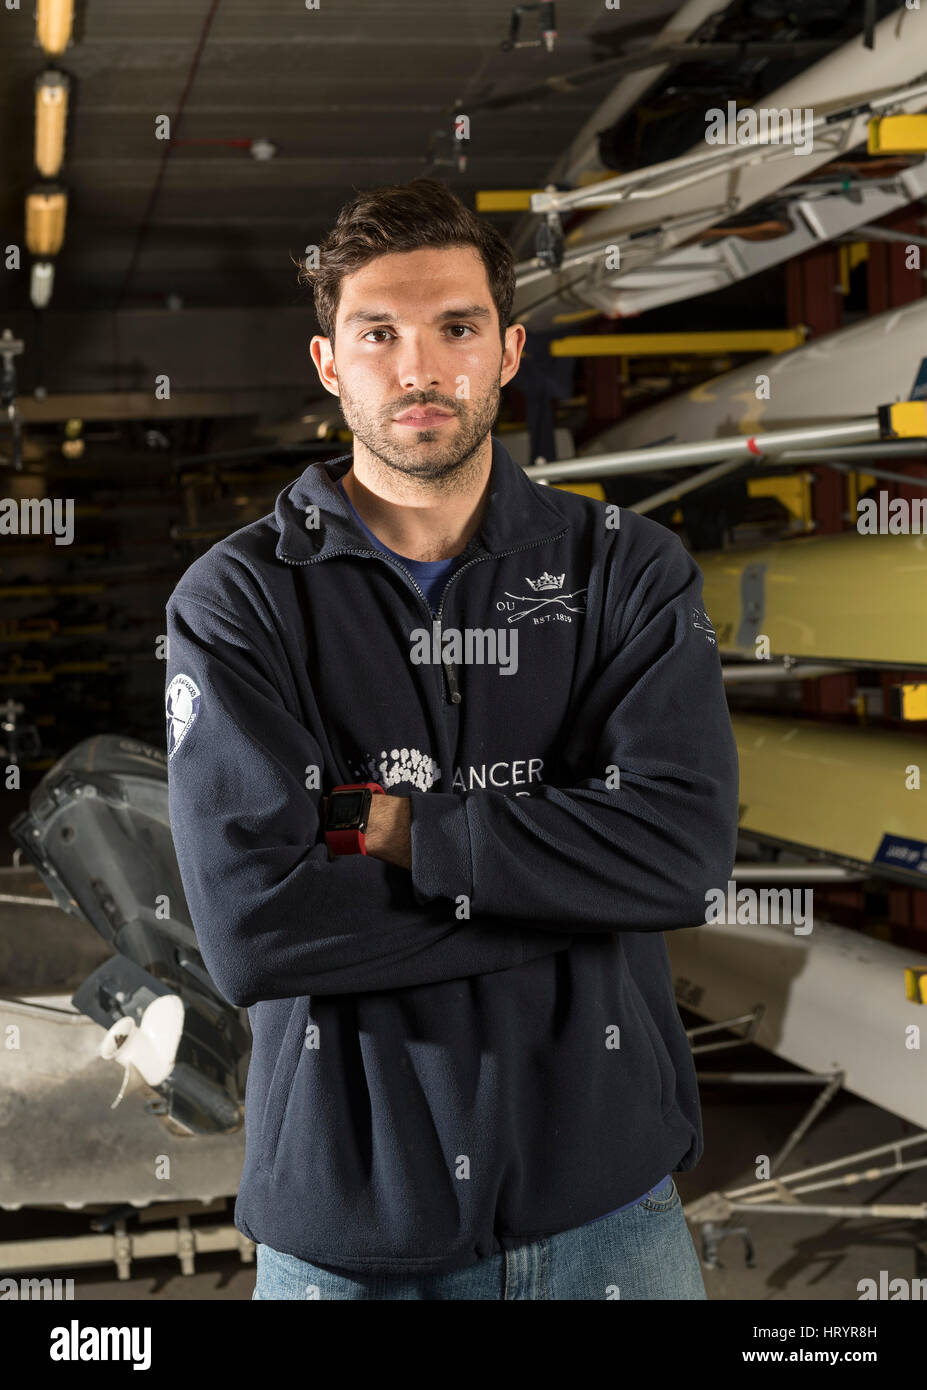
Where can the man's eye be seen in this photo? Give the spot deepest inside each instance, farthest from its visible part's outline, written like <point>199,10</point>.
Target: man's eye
<point>451,327</point>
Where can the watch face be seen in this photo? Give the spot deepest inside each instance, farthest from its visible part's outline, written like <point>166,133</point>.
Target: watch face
<point>345,810</point>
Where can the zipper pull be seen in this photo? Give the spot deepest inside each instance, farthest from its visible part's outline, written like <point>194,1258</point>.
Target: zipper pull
<point>451,677</point>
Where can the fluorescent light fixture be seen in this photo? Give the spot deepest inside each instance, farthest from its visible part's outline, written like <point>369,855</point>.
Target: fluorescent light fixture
<point>51,116</point>
<point>46,210</point>
<point>54,20</point>
<point>41,283</point>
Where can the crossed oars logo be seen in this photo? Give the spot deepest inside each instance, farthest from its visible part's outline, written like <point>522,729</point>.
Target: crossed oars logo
<point>541,602</point>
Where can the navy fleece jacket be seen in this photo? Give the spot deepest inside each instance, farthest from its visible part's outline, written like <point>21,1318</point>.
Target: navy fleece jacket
<point>486,1049</point>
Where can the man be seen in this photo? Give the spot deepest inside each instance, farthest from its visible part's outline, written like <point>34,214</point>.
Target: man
<point>469,1078</point>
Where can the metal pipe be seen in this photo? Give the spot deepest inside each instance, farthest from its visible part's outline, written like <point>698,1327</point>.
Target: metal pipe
<point>834,458</point>
<point>639,239</point>
<point>721,1023</point>
<point>670,494</point>
<point>882,234</point>
<point>27,902</point>
<point>764,1078</point>
<point>836,1163</point>
<point>613,190</point>
<point>830,1088</point>
<point>912,479</point>
<point>779,670</point>
<point>852,1179</point>
<point>527,271</point>
<point>916,1211</point>
<point>742,448</point>
<point>796,873</point>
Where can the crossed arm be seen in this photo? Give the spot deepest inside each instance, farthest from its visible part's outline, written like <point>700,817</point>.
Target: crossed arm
<point>452,884</point>
<point>389,830</point>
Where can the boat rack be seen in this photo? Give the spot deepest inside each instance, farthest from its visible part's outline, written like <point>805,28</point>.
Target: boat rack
<point>714,1211</point>
<point>111,1240</point>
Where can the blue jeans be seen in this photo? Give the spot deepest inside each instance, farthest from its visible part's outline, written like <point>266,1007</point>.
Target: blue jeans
<point>643,1252</point>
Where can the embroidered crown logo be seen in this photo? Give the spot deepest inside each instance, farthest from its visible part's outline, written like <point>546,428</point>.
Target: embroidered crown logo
<point>546,581</point>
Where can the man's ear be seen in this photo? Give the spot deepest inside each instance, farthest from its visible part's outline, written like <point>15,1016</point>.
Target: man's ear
<point>511,355</point>
<point>320,350</point>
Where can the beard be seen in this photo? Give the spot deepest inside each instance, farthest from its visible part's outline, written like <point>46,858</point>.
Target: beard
<point>449,462</point>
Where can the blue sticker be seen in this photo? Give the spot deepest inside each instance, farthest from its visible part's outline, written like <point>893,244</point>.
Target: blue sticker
<point>902,853</point>
<point>183,705</point>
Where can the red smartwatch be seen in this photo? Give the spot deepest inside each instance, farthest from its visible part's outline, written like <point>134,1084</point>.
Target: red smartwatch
<point>346,816</point>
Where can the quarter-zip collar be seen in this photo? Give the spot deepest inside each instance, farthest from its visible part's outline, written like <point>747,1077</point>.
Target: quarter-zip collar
<point>517,513</point>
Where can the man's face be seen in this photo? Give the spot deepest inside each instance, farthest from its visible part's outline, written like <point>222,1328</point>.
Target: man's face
<point>419,330</point>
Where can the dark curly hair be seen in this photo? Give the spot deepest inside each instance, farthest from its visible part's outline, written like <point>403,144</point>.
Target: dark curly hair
<point>405,217</point>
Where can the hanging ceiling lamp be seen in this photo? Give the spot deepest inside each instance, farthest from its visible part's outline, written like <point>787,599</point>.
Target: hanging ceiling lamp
<point>41,283</point>
<point>54,20</point>
<point>51,115</point>
<point>46,210</point>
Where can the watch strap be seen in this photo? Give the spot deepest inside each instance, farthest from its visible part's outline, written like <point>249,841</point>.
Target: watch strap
<point>350,841</point>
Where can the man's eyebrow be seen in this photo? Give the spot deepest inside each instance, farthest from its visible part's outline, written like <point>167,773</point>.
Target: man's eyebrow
<point>466,311</point>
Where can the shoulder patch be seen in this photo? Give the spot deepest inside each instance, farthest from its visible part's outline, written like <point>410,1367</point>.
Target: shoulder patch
<point>183,705</point>
<point>702,622</point>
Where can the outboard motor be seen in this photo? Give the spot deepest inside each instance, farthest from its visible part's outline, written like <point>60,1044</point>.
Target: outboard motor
<point>98,832</point>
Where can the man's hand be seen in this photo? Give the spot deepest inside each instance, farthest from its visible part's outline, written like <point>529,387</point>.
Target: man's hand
<point>388,835</point>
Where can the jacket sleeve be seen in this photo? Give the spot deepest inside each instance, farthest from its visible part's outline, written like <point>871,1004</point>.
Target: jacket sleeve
<point>274,917</point>
<point>632,852</point>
